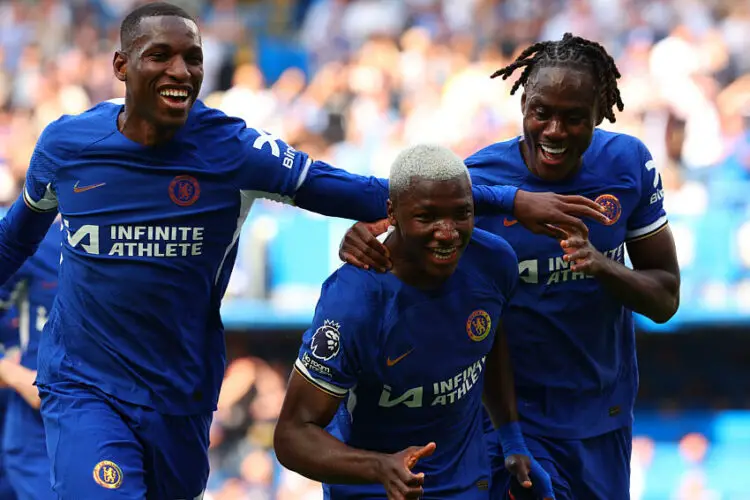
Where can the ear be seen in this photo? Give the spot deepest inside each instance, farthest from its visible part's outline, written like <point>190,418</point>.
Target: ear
<point>391,213</point>
<point>523,101</point>
<point>120,65</point>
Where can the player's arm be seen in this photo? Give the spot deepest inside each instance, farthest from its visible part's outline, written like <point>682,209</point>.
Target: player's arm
<point>499,397</point>
<point>328,366</point>
<point>652,287</point>
<point>303,445</point>
<point>272,169</point>
<point>499,394</point>
<point>541,212</point>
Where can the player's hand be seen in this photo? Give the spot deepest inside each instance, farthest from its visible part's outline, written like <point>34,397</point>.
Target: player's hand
<point>395,472</point>
<point>541,213</point>
<point>361,248</point>
<point>530,474</point>
<point>582,255</point>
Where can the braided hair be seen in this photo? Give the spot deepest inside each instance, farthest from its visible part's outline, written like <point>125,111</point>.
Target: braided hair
<point>571,51</point>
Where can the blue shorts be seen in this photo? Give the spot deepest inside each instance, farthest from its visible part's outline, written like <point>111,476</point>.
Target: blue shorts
<point>25,450</point>
<point>104,448</point>
<point>596,468</point>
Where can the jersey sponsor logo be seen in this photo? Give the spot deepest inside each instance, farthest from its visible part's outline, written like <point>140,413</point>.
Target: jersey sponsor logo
<point>267,138</point>
<point>108,474</point>
<point>184,190</point>
<point>390,362</point>
<point>83,189</point>
<point>651,167</point>
<point>138,241</point>
<point>479,325</point>
<point>509,222</point>
<point>273,141</point>
<point>612,207</point>
<point>444,392</point>
<point>325,341</point>
<point>87,236</point>
<point>553,270</point>
<point>658,193</point>
<point>411,398</point>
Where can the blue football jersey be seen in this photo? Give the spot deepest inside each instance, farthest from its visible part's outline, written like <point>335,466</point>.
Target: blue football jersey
<point>409,364</point>
<point>150,241</point>
<point>572,343</point>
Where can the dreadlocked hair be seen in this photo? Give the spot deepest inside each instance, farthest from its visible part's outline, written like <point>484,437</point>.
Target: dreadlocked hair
<point>571,51</point>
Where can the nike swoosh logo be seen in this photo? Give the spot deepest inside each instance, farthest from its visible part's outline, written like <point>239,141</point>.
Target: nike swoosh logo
<point>509,222</point>
<point>77,189</point>
<point>390,362</point>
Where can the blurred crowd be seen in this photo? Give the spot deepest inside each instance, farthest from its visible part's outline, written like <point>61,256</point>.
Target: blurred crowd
<point>377,75</point>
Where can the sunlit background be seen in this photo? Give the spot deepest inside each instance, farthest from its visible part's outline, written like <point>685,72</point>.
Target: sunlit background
<point>352,83</point>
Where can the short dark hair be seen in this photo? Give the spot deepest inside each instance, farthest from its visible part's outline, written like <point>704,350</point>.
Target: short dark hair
<point>571,51</point>
<point>131,23</point>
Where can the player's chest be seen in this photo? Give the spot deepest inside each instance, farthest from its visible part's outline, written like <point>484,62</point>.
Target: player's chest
<point>541,257</point>
<point>127,189</point>
<point>437,346</point>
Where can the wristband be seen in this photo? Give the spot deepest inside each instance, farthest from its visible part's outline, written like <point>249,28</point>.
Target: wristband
<point>511,440</point>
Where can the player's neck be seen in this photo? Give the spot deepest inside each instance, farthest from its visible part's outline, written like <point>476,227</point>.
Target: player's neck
<point>405,269</point>
<point>140,130</point>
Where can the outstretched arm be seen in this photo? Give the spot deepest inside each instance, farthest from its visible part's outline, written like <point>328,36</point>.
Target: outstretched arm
<point>335,192</point>
<point>271,168</point>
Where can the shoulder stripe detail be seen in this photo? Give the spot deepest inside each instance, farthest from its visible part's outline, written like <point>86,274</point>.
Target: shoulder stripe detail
<point>326,387</point>
<point>643,232</point>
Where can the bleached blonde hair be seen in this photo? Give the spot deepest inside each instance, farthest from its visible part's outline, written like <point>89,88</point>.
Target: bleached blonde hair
<point>425,161</point>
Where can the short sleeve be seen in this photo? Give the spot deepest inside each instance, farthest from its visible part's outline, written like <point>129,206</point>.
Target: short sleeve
<point>39,192</point>
<point>649,216</point>
<point>268,165</point>
<point>331,353</point>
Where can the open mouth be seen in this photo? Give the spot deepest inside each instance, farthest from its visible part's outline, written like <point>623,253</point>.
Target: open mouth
<point>177,98</point>
<point>444,255</point>
<point>552,154</point>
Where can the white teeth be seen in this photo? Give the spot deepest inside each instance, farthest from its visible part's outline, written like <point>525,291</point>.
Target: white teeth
<point>443,253</point>
<point>174,93</point>
<point>553,151</point>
